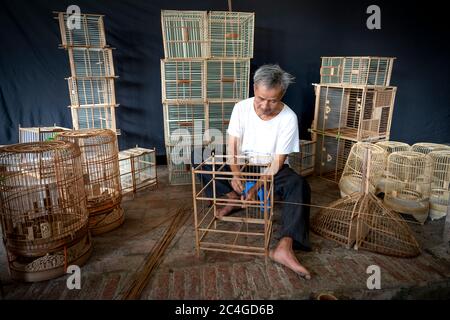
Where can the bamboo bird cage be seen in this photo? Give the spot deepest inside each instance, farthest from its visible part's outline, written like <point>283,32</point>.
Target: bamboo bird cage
<point>219,115</point>
<point>92,92</point>
<point>98,117</point>
<point>354,113</point>
<point>362,221</point>
<point>227,79</point>
<point>366,71</point>
<point>185,34</point>
<point>39,134</point>
<point>44,216</point>
<point>427,147</point>
<point>389,147</point>
<point>231,34</point>
<point>100,162</point>
<point>91,62</point>
<point>440,184</point>
<point>137,169</point>
<point>187,120</point>
<point>90,32</point>
<point>179,163</point>
<point>407,188</point>
<point>303,162</point>
<point>247,231</point>
<point>351,179</point>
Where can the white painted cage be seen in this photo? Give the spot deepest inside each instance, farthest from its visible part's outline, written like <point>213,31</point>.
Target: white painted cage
<point>39,134</point>
<point>427,147</point>
<point>372,71</point>
<point>137,169</point>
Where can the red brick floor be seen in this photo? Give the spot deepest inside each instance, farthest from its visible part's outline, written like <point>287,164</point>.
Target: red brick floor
<point>118,254</point>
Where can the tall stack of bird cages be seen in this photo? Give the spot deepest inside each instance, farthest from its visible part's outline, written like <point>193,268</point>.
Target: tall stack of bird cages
<point>44,214</point>
<point>39,134</point>
<point>302,162</point>
<point>137,169</point>
<point>204,73</point>
<point>91,84</point>
<point>100,164</point>
<point>248,229</point>
<point>354,103</point>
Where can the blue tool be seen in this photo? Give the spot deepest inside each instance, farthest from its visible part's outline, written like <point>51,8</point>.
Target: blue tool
<point>248,185</point>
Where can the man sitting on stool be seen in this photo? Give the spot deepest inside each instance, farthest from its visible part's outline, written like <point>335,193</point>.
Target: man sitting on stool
<point>265,125</point>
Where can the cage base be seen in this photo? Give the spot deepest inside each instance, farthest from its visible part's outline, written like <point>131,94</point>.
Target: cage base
<point>104,222</point>
<point>78,254</point>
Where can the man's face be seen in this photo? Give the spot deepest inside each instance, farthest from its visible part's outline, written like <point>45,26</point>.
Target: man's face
<point>267,100</point>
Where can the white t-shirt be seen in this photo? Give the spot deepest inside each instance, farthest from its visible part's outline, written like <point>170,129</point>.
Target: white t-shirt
<point>278,135</point>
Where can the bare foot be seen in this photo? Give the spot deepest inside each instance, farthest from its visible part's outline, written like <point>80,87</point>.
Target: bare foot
<point>226,210</point>
<point>284,255</point>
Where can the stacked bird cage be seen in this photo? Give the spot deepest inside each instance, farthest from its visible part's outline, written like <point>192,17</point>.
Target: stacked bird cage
<point>302,162</point>
<point>44,216</point>
<point>91,85</point>
<point>205,72</point>
<point>39,134</point>
<point>247,230</point>
<point>100,163</point>
<point>354,103</point>
<point>137,169</point>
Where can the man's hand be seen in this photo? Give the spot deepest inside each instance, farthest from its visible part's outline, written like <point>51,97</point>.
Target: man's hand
<point>236,184</point>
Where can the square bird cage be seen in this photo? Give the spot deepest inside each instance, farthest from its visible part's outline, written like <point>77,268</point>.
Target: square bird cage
<point>231,34</point>
<point>185,34</point>
<point>39,134</point>
<point>303,162</point>
<point>227,79</point>
<point>91,92</point>
<point>89,33</point>
<point>179,163</point>
<point>247,231</point>
<point>94,118</point>
<point>91,62</point>
<point>187,120</point>
<point>354,113</point>
<point>366,71</point>
<point>331,156</point>
<point>219,114</point>
<point>137,169</point>
<point>183,80</point>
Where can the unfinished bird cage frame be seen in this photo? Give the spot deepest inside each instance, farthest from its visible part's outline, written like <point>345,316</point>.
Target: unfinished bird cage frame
<point>440,184</point>
<point>39,134</point>
<point>408,182</point>
<point>183,80</point>
<point>137,169</point>
<point>354,113</point>
<point>100,164</point>
<point>185,34</point>
<point>303,162</point>
<point>227,79</point>
<point>365,71</point>
<point>351,178</point>
<point>245,232</point>
<point>89,33</point>
<point>231,34</point>
<point>361,221</point>
<point>44,215</point>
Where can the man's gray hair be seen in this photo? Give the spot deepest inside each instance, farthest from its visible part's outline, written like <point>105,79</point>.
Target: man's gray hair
<point>272,76</point>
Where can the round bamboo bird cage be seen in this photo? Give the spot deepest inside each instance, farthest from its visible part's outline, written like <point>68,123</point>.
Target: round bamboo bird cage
<point>351,179</point>
<point>440,184</point>
<point>43,210</point>
<point>362,221</point>
<point>389,147</point>
<point>407,188</point>
<point>100,162</point>
<point>427,147</point>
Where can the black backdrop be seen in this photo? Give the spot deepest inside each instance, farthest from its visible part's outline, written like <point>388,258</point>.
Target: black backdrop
<point>294,34</point>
